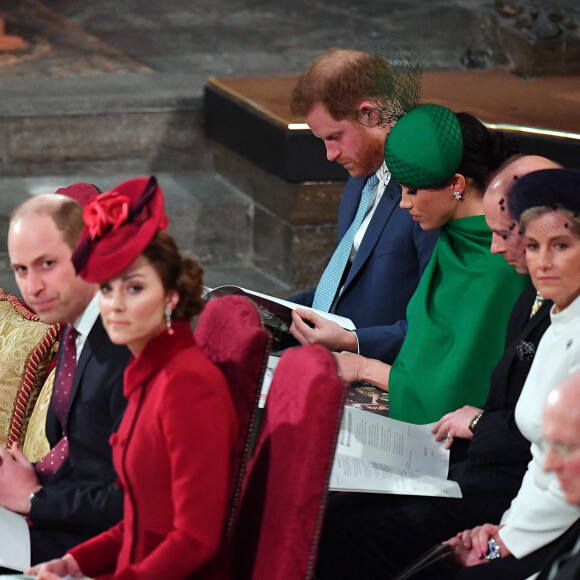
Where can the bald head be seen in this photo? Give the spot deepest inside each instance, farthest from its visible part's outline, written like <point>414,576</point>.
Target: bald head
<point>503,181</point>
<point>564,399</point>
<point>66,214</point>
<point>506,239</point>
<point>332,61</point>
<point>561,430</point>
<point>39,204</point>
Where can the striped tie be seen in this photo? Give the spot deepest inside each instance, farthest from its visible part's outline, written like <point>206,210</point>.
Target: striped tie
<point>330,279</point>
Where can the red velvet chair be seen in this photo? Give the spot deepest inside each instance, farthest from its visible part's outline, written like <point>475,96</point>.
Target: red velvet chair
<point>230,332</point>
<point>284,498</point>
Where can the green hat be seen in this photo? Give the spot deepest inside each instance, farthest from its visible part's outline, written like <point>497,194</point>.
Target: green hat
<point>424,148</point>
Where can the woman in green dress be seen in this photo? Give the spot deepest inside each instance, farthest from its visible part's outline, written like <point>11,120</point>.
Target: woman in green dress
<point>458,314</point>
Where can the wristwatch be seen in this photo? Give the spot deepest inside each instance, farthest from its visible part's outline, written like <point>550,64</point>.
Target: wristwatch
<point>475,421</point>
<point>493,550</point>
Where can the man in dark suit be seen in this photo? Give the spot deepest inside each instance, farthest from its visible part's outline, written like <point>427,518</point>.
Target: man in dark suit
<point>375,536</point>
<point>337,97</point>
<point>71,494</point>
<point>561,430</point>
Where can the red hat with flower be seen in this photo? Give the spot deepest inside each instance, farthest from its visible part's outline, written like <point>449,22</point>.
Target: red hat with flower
<point>119,225</point>
<point>80,192</point>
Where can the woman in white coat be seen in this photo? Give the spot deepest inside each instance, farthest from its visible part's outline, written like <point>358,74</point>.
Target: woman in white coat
<point>547,205</point>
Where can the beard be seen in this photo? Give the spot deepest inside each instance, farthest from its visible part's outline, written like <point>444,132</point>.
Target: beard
<point>369,157</point>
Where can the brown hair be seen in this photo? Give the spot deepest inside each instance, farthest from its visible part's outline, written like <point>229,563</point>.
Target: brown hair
<point>182,274</point>
<point>339,79</point>
<point>65,212</point>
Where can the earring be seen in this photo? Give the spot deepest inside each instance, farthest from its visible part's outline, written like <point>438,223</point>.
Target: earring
<point>457,195</point>
<point>167,313</point>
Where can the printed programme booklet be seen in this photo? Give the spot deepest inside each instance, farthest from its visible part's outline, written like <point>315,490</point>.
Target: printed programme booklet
<point>276,310</point>
<point>381,455</point>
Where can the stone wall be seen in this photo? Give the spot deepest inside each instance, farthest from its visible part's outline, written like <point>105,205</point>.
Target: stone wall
<point>541,37</point>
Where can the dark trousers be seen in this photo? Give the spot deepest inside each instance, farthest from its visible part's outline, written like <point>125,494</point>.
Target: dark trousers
<point>374,536</point>
<point>509,567</point>
<point>50,544</point>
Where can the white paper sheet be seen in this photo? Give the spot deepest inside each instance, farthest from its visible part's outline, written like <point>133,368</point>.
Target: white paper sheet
<point>379,454</point>
<point>15,541</point>
<point>268,375</point>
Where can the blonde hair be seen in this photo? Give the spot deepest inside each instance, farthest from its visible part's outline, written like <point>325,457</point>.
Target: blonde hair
<point>540,210</point>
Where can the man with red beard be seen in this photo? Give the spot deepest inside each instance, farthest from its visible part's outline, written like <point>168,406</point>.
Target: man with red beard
<point>381,253</point>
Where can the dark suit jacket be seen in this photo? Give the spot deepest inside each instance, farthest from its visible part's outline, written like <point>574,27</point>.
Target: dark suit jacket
<point>498,450</point>
<point>569,570</point>
<point>498,454</point>
<point>385,272</point>
<point>82,497</point>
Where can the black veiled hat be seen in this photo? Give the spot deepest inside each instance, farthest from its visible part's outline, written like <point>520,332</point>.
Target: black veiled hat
<point>557,188</point>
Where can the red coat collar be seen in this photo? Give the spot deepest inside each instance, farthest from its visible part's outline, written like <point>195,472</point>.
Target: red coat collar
<point>156,355</point>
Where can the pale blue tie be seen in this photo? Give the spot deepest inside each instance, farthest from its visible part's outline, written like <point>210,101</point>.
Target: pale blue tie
<point>330,279</point>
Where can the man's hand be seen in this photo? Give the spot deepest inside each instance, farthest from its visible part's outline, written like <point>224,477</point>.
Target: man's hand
<point>18,480</point>
<point>325,332</point>
<point>455,424</point>
<point>55,569</point>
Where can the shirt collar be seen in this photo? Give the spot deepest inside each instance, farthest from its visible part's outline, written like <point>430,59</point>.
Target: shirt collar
<point>85,322</point>
<point>383,175</point>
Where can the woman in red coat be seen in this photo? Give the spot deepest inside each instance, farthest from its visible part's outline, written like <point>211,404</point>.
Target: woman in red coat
<point>172,450</point>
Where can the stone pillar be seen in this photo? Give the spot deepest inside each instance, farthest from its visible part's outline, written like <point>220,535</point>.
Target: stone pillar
<point>294,224</point>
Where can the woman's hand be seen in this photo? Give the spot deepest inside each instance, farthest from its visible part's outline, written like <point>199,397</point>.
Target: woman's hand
<point>470,546</point>
<point>349,365</point>
<point>455,424</point>
<point>323,331</point>
<point>55,569</point>
<point>462,555</point>
<point>355,367</point>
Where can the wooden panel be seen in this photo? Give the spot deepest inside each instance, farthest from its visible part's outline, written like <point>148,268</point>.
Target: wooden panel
<point>495,96</point>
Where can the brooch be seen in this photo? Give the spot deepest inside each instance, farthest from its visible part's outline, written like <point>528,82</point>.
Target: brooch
<point>525,350</point>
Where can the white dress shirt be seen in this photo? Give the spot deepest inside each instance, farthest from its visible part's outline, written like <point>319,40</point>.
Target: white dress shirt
<point>384,177</point>
<point>85,322</point>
